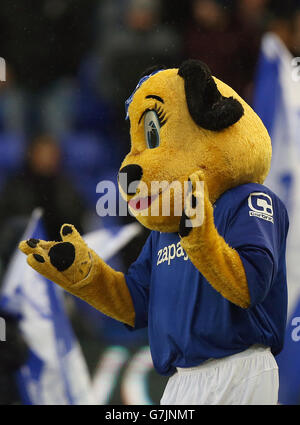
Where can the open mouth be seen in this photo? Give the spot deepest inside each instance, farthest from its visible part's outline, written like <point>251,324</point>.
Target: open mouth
<point>142,203</point>
<point>139,204</point>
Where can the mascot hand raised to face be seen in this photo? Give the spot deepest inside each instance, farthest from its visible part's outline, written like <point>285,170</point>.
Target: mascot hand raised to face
<point>210,282</point>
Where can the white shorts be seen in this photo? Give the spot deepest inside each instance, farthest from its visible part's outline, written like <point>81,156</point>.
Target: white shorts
<point>249,377</point>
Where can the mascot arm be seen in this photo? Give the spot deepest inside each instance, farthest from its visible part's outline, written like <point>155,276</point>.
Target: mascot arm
<point>80,271</point>
<point>220,264</point>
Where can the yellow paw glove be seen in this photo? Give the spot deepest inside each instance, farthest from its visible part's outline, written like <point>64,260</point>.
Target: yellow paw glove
<point>211,255</point>
<point>80,271</point>
<point>67,263</point>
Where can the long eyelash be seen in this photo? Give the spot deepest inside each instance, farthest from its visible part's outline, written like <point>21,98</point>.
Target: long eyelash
<point>161,114</point>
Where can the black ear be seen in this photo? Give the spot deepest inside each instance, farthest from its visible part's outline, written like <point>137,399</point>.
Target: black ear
<point>208,108</point>
<point>151,69</point>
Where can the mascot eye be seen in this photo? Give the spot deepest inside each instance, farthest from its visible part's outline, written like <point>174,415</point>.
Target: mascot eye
<point>152,129</point>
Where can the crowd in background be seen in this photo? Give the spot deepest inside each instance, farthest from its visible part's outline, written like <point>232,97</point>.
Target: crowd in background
<point>70,66</point>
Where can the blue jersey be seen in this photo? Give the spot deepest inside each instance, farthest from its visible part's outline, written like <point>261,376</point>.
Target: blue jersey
<point>188,320</point>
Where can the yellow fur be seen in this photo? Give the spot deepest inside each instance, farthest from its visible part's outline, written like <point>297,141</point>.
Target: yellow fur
<point>218,262</point>
<point>88,278</point>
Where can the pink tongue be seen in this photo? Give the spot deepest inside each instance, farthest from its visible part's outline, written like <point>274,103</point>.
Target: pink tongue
<point>141,203</point>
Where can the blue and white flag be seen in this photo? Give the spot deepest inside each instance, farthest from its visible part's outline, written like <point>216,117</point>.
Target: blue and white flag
<point>277,102</point>
<point>56,371</point>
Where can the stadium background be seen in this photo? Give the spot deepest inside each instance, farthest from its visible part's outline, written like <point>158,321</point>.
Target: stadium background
<point>70,65</point>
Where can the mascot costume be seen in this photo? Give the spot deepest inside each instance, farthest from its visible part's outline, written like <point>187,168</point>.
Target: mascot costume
<point>210,288</point>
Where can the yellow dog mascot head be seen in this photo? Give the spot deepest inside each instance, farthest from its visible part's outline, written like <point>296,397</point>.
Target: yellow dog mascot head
<point>182,121</point>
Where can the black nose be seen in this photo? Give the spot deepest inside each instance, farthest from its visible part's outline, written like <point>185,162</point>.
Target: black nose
<point>129,178</point>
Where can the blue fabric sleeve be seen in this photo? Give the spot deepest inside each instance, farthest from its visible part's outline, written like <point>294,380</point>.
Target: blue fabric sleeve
<point>259,267</point>
<point>257,241</point>
<point>138,281</point>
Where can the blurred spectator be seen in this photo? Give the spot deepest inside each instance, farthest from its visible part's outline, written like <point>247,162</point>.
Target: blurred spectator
<point>252,14</point>
<point>45,39</point>
<point>42,184</point>
<point>142,41</point>
<point>12,148</point>
<point>216,35</point>
<point>109,17</point>
<point>12,105</point>
<point>75,104</point>
<point>57,113</point>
